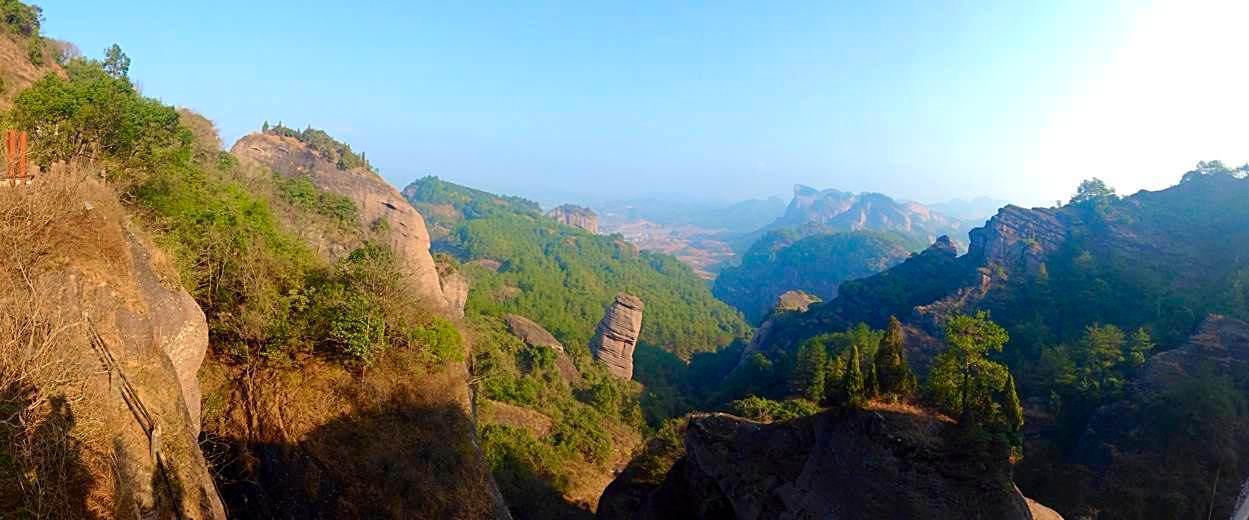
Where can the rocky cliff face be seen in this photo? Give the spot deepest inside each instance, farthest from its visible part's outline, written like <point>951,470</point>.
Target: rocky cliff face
<point>376,201</point>
<point>575,216</point>
<point>617,335</point>
<point>858,464</point>
<point>124,404</point>
<point>1018,238</point>
<point>534,335</point>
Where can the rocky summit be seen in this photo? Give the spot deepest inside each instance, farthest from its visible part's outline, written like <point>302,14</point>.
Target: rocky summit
<point>617,335</point>
<point>575,216</point>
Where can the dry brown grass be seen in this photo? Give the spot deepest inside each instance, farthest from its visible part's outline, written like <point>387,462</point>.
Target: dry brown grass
<point>55,439</point>
<point>16,70</point>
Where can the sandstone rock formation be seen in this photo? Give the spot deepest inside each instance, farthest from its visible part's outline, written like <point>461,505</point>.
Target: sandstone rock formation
<point>534,335</point>
<point>853,465</point>
<point>127,343</point>
<point>575,216</point>
<point>455,292</point>
<point>794,301</point>
<point>376,200</point>
<point>1018,238</point>
<point>617,335</point>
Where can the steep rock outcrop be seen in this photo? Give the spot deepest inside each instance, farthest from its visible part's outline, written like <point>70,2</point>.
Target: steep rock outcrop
<point>851,465</point>
<point>617,335</point>
<point>534,335</point>
<point>127,342</point>
<point>455,292</point>
<point>375,199</point>
<point>1018,238</point>
<point>575,216</point>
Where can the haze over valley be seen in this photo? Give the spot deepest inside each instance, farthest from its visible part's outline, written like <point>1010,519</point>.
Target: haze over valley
<point>634,261</point>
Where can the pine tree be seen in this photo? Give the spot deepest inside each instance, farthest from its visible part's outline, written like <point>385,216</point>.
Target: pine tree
<point>871,383</point>
<point>835,381</point>
<point>116,63</point>
<point>808,377</point>
<point>1012,407</point>
<point>265,128</point>
<point>893,373</point>
<point>854,393</point>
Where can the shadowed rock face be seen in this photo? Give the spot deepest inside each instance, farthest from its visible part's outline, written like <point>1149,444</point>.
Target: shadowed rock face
<point>575,216</point>
<point>119,288</point>
<point>851,465</point>
<point>617,335</point>
<point>534,335</point>
<point>375,199</point>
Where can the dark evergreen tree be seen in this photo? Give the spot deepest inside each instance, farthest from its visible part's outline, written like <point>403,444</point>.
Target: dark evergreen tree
<point>893,374</point>
<point>808,375</point>
<point>855,386</point>
<point>1011,405</point>
<point>116,63</point>
<point>835,381</point>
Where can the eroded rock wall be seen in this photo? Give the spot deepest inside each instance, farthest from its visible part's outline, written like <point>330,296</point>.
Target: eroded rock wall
<point>617,335</point>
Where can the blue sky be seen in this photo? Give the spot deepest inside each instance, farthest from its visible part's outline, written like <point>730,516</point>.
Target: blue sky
<point>580,101</point>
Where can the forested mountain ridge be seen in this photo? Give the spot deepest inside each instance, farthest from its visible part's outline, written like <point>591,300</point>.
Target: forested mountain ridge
<point>1104,276</point>
<point>785,260</point>
<point>523,262</point>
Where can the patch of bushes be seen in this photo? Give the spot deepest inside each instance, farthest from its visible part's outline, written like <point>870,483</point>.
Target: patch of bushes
<point>303,194</point>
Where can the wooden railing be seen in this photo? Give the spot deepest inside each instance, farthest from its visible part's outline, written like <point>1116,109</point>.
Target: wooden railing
<point>16,157</point>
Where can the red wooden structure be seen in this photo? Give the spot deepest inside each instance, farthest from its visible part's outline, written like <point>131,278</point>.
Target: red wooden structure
<point>15,153</point>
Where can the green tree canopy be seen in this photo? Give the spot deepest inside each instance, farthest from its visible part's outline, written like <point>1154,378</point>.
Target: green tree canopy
<point>1093,190</point>
<point>963,378</point>
<point>116,63</point>
<point>892,372</point>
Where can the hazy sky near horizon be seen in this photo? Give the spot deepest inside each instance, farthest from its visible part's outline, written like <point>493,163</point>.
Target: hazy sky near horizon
<point>573,101</point>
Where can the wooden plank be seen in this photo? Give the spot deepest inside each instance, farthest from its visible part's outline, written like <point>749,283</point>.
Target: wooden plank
<point>10,147</point>
<point>21,155</point>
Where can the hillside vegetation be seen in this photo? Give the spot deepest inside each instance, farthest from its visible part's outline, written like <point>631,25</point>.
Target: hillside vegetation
<point>277,311</point>
<point>1088,292</point>
<point>564,277</point>
<point>785,260</point>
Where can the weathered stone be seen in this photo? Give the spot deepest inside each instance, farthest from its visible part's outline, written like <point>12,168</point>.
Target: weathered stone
<point>617,335</point>
<point>850,464</point>
<point>376,201</point>
<point>1018,238</point>
<point>455,291</point>
<point>575,216</point>
<point>124,324</point>
<point>534,335</point>
<point>794,301</point>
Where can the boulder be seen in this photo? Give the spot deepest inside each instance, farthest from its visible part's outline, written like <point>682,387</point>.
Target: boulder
<point>855,464</point>
<point>617,335</point>
<point>534,335</point>
<point>575,216</point>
